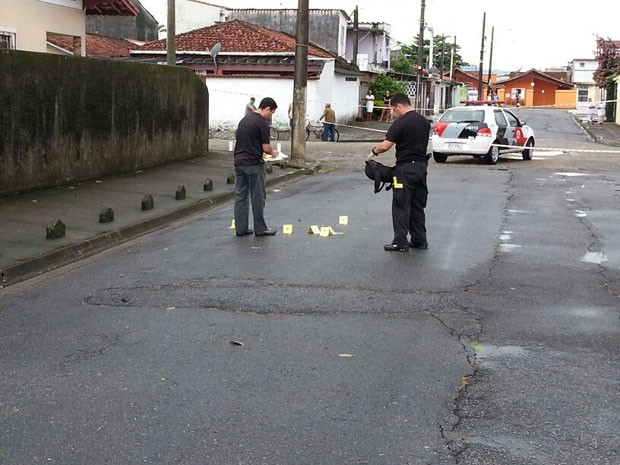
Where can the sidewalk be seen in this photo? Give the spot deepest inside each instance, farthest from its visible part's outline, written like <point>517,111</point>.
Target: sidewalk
<point>25,251</point>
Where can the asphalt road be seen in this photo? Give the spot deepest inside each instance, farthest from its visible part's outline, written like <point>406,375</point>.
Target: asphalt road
<point>498,345</point>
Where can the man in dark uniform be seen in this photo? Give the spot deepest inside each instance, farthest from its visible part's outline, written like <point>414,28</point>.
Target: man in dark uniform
<point>410,132</point>
<point>252,140</point>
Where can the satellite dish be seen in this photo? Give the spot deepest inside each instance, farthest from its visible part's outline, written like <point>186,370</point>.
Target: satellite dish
<point>215,50</point>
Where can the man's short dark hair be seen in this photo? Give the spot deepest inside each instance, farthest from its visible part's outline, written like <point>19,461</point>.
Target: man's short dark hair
<point>268,102</point>
<point>400,99</point>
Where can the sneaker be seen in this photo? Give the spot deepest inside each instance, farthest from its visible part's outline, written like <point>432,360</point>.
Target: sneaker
<point>395,248</point>
<point>418,246</point>
<point>268,232</point>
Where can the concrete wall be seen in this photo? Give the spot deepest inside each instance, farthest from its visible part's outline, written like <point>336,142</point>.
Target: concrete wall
<point>566,98</point>
<point>142,27</point>
<point>229,95</point>
<point>327,27</point>
<point>116,118</point>
<point>194,14</point>
<point>33,19</point>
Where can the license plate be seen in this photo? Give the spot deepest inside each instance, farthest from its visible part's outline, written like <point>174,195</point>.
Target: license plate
<point>454,145</point>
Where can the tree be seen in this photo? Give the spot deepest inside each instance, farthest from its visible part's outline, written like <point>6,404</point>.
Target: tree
<point>401,65</point>
<point>608,56</point>
<point>385,82</point>
<point>442,49</point>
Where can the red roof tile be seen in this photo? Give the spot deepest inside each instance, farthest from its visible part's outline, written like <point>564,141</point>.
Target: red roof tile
<point>235,36</point>
<point>97,46</point>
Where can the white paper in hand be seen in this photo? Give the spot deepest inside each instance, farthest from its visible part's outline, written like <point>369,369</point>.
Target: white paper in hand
<point>281,156</point>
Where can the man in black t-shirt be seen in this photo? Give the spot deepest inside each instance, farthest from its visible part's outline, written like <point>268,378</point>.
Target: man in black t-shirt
<point>252,141</point>
<point>410,132</point>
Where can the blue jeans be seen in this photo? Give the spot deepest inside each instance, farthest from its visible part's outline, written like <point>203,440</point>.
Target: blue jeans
<point>329,131</point>
<point>250,185</point>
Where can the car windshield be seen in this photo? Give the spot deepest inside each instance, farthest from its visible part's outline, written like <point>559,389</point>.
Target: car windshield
<point>462,116</point>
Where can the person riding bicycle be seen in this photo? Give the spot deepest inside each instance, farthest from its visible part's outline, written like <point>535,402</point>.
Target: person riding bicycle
<point>329,123</point>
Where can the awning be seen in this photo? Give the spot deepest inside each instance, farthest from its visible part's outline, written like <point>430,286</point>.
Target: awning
<point>110,7</point>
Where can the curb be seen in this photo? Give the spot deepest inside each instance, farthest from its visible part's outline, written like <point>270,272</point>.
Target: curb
<point>72,253</point>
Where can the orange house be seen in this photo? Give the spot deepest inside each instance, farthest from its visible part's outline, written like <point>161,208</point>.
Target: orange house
<point>534,89</point>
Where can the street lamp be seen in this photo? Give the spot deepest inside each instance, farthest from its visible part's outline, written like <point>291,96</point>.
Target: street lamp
<point>430,52</point>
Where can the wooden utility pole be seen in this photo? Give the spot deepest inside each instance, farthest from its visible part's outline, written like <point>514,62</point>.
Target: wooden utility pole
<point>418,91</point>
<point>484,19</point>
<point>170,34</point>
<point>298,139</point>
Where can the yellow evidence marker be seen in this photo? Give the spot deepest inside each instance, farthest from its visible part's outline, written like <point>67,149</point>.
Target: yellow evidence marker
<point>343,220</point>
<point>326,231</point>
<point>232,225</point>
<point>314,229</point>
<point>287,229</point>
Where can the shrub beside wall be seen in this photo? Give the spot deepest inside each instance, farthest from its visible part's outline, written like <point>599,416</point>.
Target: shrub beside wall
<point>66,119</point>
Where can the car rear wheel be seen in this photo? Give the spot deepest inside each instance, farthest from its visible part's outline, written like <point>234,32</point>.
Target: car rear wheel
<point>492,155</point>
<point>440,157</point>
<point>527,152</point>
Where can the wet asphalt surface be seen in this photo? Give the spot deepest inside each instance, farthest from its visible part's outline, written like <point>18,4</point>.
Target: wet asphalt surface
<point>498,345</point>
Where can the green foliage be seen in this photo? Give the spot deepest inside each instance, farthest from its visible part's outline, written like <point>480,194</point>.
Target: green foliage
<point>402,65</point>
<point>385,82</point>
<point>442,49</point>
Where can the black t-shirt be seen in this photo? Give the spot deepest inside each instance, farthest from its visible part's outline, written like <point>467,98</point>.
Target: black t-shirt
<point>410,134</point>
<point>252,133</point>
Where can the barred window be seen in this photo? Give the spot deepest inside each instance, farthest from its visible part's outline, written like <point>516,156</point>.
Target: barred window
<point>582,93</point>
<point>7,39</point>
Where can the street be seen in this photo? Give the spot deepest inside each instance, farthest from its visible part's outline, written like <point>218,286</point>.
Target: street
<point>497,345</point>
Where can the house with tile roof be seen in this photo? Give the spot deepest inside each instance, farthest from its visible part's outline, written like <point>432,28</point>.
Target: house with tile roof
<point>535,89</point>
<point>254,61</point>
<point>26,24</point>
<point>97,46</point>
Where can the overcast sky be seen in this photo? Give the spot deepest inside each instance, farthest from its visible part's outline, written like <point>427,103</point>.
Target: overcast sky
<point>528,34</point>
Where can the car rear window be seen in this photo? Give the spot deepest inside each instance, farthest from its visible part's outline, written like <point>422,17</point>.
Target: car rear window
<point>460,116</point>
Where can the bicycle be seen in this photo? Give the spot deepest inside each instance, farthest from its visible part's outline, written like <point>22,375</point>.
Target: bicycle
<point>317,130</point>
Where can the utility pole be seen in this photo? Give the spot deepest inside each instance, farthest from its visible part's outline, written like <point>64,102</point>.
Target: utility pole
<point>170,37</point>
<point>452,52</point>
<point>418,85</point>
<point>490,61</point>
<point>356,35</point>
<point>298,139</point>
<point>484,19</point>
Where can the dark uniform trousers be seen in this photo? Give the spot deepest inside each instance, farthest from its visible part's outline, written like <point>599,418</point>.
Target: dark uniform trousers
<point>409,197</point>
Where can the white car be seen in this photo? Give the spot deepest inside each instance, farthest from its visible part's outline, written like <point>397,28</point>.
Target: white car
<point>477,131</point>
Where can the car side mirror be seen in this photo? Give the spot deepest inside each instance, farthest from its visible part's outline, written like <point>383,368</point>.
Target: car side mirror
<point>522,123</point>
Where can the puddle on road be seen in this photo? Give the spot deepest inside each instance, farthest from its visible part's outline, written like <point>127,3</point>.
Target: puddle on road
<point>488,350</point>
<point>570,175</point>
<point>508,247</point>
<point>594,257</point>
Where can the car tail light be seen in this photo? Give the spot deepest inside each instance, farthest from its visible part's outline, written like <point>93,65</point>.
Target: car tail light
<point>484,132</point>
<point>439,128</point>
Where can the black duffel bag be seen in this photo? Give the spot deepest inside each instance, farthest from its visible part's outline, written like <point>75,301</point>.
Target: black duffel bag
<point>382,175</point>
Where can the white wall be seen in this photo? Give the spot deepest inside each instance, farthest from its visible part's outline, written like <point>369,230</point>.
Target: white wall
<point>31,20</point>
<point>228,97</point>
<point>192,14</point>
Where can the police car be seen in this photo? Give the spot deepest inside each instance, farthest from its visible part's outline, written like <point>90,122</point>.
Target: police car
<point>477,130</point>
